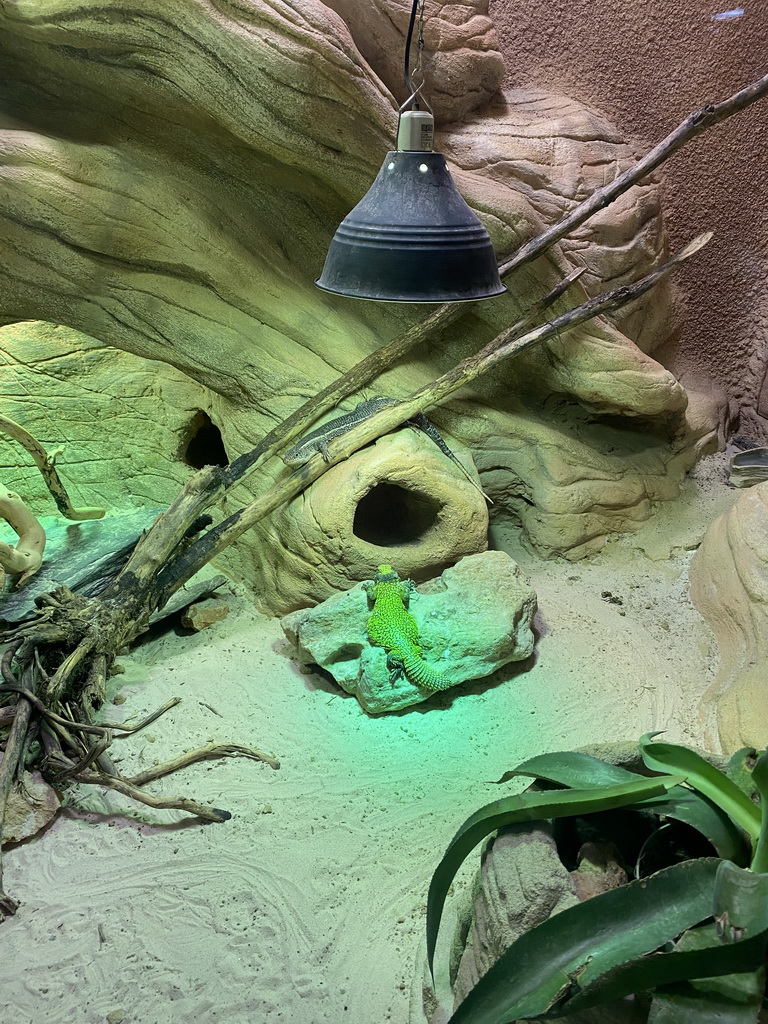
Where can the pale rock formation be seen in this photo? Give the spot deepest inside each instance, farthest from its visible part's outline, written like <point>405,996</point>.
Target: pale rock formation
<point>122,423</point>
<point>205,613</point>
<point>473,620</point>
<point>522,883</point>
<point>22,559</point>
<point>729,586</point>
<point>400,501</point>
<point>169,180</point>
<point>461,61</point>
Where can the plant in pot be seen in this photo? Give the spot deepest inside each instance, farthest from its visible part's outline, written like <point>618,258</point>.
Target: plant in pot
<point>690,931</point>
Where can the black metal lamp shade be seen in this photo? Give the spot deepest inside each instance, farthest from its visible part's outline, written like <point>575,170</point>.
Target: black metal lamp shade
<point>412,238</point>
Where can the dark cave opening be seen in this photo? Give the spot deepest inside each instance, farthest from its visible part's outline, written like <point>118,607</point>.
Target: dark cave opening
<point>389,515</point>
<point>202,444</point>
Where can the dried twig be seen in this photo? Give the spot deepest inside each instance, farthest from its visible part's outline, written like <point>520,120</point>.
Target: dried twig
<point>210,752</point>
<point>45,463</point>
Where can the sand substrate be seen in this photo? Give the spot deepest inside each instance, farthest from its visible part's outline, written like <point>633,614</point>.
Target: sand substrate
<point>308,905</point>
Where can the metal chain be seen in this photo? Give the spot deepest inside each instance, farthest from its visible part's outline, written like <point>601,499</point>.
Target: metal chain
<point>419,41</point>
<point>414,79</point>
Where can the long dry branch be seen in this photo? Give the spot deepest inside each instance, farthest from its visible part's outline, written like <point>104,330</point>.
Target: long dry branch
<point>45,462</point>
<point>510,342</point>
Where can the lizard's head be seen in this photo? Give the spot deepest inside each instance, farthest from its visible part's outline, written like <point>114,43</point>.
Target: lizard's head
<point>386,574</point>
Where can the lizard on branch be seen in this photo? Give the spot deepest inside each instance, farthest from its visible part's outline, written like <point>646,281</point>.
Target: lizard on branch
<point>317,440</point>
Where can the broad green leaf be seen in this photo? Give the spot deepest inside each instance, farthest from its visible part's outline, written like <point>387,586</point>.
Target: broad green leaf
<point>573,769</point>
<point>510,810</point>
<point>582,771</point>
<point>658,969</point>
<point>740,900</point>
<point>546,964</point>
<point>739,770</point>
<point>688,1002</point>
<point>728,999</point>
<point>705,778</point>
<point>760,781</point>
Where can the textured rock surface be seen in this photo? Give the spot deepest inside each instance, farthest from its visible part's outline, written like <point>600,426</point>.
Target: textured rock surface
<point>178,208</point>
<point>472,620</point>
<point>522,883</point>
<point>204,613</point>
<point>120,422</point>
<point>554,152</point>
<point>401,501</point>
<point>729,586</point>
<point>461,59</point>
<point>645,66</point>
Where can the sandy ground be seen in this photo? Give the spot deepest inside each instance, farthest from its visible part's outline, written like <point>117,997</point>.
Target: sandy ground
<point>308,905</point>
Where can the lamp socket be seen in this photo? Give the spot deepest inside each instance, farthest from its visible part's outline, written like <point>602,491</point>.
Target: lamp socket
<point>415,132</point>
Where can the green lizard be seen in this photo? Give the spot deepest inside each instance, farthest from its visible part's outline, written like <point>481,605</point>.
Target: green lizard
<point>392,627</point>
<point>317,440</point>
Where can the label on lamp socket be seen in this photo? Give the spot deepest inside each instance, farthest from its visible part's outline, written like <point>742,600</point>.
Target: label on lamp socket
<point>416,131</point>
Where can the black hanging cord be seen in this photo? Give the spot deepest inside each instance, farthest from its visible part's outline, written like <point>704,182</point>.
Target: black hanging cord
<point>408,39</point>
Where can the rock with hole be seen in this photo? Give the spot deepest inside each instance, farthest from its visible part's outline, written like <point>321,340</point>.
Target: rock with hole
<point>400,500</point>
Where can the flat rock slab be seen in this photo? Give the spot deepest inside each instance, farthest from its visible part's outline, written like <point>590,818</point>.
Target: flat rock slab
<point>82,556</point>
<point>472,620</point>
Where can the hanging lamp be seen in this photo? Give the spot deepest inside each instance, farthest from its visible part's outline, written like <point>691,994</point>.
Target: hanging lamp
<point>412,238</point>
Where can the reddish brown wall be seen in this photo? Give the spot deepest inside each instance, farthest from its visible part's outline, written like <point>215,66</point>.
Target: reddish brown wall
<point>646,65</point>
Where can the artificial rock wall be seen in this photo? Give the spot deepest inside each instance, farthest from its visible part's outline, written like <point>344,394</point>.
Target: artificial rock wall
<point>169,180</point>
<point>646,66</point>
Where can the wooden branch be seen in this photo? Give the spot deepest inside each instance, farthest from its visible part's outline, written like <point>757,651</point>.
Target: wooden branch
<point>11,763</point>
<point>210,752</point>
<point>45,463</point>
<point>510,342</point>
<point>160,803</point>
<point>24,558</point>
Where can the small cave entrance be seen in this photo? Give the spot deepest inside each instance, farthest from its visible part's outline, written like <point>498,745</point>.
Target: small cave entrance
<point>389,516</point>
<point>202,444</point>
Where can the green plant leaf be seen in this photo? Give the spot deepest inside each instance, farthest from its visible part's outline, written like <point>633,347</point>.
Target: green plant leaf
<point>688,1002</point>
<point>582,771</point>
<point>760,782</point>
<point>728,999</point>
<point>740,900</point>
<point>526,807</point>
<point>539,971</point>
<point>573,769</point>
<point>655,970</point>
<point>705,778</point>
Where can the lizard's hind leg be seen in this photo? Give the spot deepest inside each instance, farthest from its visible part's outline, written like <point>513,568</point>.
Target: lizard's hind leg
<point>395,666</point>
